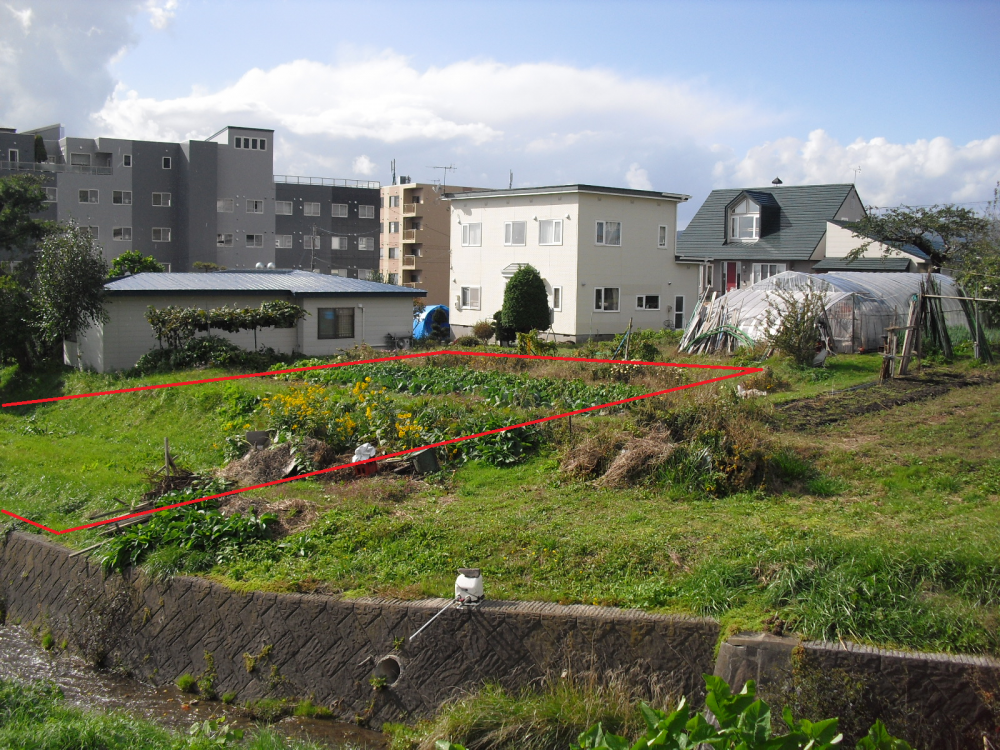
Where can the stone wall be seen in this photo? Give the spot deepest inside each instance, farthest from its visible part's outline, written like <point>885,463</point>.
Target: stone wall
<point>266,644</point>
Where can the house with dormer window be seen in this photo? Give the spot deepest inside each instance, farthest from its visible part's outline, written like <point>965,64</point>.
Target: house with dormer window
<point>740,236</point>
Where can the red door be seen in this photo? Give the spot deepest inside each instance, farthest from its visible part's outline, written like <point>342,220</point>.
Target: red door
<point>730,276</point>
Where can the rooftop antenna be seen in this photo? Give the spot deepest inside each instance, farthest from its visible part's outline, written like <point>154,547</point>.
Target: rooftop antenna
<point>857,171</point>
<point>510,183</point>
<point>444,178</point>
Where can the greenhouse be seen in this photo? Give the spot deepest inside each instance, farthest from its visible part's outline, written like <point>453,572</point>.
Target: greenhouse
<point>858,308</point>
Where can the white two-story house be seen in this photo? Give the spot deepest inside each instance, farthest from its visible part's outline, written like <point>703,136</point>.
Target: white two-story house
<point>607,255</point>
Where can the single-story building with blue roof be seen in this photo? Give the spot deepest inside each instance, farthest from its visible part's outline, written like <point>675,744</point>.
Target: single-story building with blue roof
<point>341,313</point>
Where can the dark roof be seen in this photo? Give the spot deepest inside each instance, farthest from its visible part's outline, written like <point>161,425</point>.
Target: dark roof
<point>802,212</point>
<point>290,282</point>
<point>578,188</point>
<point>863,264</point>
<point>906,247</point>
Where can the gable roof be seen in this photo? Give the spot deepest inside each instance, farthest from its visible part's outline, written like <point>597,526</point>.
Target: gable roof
<point>300,283</point>
<point>802,213</point>
<point>898,265</point>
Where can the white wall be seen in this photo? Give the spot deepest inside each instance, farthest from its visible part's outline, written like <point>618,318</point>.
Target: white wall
<point>841,241</point>
<point>381,315</point>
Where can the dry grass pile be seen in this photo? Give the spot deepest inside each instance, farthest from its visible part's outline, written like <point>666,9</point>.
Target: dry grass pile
<point>179,479</point>
<point>638,458</point>
<point>277,462</point>
<point>592,457</point>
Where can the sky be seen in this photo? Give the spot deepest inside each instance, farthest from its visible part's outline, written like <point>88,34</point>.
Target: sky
<point>901,98</point>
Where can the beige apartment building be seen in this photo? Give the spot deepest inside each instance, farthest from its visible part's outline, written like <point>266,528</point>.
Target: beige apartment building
<point>416,242</point>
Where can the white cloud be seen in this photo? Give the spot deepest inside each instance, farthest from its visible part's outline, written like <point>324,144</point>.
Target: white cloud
<point>637,178</point>
<point>161,13</point>
<point>925,171</point>
<point>53,58</point>
<point>363,165</point>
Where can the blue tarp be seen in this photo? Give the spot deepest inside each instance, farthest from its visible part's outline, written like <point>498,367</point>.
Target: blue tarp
<point>424,325</point>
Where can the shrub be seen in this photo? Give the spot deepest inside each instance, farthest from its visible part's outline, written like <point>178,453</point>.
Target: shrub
<point>468,341</point>
<point>206,351</point>
<point>504,334</point>
<point>531,343</point>
<point>187,683</point>
<point>525,302</point>
<point>791,321</point>
<point>483,330</point>
<point>132,262</point>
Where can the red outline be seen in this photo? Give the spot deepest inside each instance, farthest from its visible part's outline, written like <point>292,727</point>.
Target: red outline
<point>740,371</point>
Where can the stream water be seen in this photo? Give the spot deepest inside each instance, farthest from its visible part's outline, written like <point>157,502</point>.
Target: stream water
<point>88,688</point>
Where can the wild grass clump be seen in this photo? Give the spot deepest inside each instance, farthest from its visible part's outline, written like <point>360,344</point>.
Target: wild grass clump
<point>549,718</point>
<point>206,351</point>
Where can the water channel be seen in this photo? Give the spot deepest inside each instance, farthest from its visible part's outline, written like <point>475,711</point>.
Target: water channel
<point>98,690</point>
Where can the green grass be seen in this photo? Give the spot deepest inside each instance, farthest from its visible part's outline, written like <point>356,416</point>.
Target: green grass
<point>884,529</point>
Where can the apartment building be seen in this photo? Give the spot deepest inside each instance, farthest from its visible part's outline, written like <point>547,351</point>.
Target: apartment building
<point>213,201</point>
<point>416,242</point>
<point>607,256</point>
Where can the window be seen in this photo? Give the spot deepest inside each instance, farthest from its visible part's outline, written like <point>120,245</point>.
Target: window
<point>661,238</point>
<point>339,211</point>
<point>283,208</point>
<point>256,144</point>
<point>51,195</point>
<point>557,298</point>
<point>470,297</point>
<point>472,235</point>
<point>393,252</point>
<point>763,270</point>
<point>79,160</point>
<point>393,227</point>
<point>224,240</point>
<point>89,196</point>
<point>255,207</point>
<point>550,232</point>
<point>161,199</point>
<point>679,311</point>
<point>121,197</point>
<point>12,154</point>
<point>310,243</point>
<point>366,243</point>
<point>514,232</point>
<point>707,276</point>
<point>225,205</point>
<point>393,201</point>
<point>283,240</point>
<point>126,160</point>
<point>94,232</point>
<point>393,278</point>
<point>744,221</point>
<point>647,302</point>
<point>311,209</point>
<point>166,162</point>
<point>121,234</point>
<point>335,323</point>
<point>606,299</point>
<point>161,234</point>
<point>338,243</point>
<point>609,233</point>
<point>255,240</point>
<point>366,212</point>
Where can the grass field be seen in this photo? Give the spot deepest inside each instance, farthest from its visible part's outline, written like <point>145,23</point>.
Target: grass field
<point>881,528</point>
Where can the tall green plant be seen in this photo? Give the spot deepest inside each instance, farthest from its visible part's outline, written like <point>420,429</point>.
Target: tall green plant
<point>525,302</point>
<point>175,325</point>
<point>133,262</point>
<point>791,321</point>
<point>20,196</point>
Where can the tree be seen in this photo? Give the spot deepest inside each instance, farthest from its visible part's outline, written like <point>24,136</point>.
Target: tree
<point>949,234</point>
<point>525,302</point>
<point>133,262</point>
<point>41,155</point>
<point>20,196</point>
<point>201,266</point>
<point>68,289</point>
<point>16,321</point>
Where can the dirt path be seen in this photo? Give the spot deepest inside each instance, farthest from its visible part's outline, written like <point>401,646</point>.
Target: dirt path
<point>809,413</point>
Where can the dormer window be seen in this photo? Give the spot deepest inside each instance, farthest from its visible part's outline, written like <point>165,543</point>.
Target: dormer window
<point>744,221</point>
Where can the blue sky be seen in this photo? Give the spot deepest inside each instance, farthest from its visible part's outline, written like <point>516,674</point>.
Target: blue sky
<point>682,97</point>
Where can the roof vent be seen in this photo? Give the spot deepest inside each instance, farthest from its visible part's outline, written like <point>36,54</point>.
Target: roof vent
<point>776,181</point>
<point>259,266</point>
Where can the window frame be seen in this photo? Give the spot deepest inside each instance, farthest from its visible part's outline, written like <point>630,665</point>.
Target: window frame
<point>312,208</point>
<point>161,230</point>
<point>127,161</point>
<point>121,231</point>
<point>93,231</point>
<point>508,234</point>
<point>91,193</point>
<point>366,212</point>
<point>557,299</point>
<point>663,237</point>
<point>282,241</point>
<point>161,204</point>
<point>367,244</point>
<point>466,294</point>
<point>255,236</point>
<point>335,326</point>
<point>311,242</point>
<point>467,234</point>
<point>121,194</point>
<point>337,213</point>
<point>641,301</point>
<point>225,205</point>
<point>167,162</point>
<point>602,290</point>
<point>338,243</point>
<point>756,271</point>
<point>393,253</point>
<point>224,239</point>
<point>53,196</point>
<point>734,231</point>
<point>392,224</point>
<point>13,155</point>
<point>556,223</point>
<point>290,205</point>
<point>80,159</point>
<point>253,204</point>
<point>601,233</point>
<point>679,311</point>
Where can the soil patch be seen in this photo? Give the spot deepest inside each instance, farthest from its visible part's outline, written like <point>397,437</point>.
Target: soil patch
<point>293,514</point>
<point>809,413</point>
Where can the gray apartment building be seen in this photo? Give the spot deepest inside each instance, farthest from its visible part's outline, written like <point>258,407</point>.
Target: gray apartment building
<point>215,200</point>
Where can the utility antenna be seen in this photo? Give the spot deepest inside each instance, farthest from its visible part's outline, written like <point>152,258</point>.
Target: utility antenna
<point>857,171</point>
<point>510,182</point>
<point>444,178</point>
<point>393,164</point>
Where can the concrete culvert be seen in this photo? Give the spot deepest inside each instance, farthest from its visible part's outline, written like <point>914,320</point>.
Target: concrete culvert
<point>388,668</point>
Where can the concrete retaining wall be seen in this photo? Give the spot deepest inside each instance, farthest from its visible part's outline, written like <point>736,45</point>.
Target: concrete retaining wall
<point>316,645</point>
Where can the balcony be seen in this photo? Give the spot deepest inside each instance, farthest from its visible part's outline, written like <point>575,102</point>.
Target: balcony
<point>41,167</point>
<point>409,262</point>
<point>410,235</point>
<point>411,284</point>
<point>410,209</point>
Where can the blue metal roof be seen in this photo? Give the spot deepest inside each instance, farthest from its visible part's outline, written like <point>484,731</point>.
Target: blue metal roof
<point>290,282</point>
